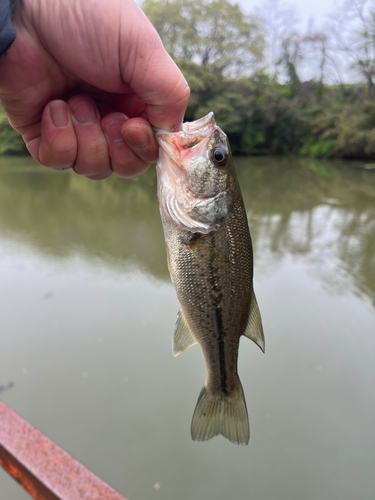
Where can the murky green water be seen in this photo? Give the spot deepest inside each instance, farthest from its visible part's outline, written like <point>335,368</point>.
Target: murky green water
<point>87,314</point>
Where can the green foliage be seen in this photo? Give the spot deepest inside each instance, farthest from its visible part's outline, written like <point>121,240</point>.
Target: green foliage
<point>320,149</point>
<point>213,33</point>
<point>10,141</point>
<point>343,129</point>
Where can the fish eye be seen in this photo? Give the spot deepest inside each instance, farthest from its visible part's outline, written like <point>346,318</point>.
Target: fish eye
<point>219,156</point>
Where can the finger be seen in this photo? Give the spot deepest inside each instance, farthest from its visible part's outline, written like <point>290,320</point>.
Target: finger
<point>56,144</point>
<point>129,104</point>
<point>139,136</point>
<point>92,158</point>
<point>166,94</point>
<point>125,162</point>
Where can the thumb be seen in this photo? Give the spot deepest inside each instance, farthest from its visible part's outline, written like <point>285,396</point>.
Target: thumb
<point>153,76</point>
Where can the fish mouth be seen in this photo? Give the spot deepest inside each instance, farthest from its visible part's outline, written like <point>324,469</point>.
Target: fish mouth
<point>175,147</point>
<point>197,125</point>
<point>189,127</point>
<point>192,133</point>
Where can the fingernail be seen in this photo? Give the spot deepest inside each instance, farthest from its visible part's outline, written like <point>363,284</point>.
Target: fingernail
<point>113,131</point>
<point>84,112</point>
<point>59,114</point>
<point>137,138</point>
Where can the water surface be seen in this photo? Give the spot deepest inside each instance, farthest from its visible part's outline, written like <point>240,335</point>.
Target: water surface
<point>87,315</point>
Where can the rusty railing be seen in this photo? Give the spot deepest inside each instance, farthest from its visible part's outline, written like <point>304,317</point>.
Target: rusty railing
<point>42,468</point>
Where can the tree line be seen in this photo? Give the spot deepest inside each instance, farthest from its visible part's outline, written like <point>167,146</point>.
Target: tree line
<point>274,89</point>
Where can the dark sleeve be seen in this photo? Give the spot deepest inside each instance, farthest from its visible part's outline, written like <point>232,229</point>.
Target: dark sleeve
<point>7,32</point>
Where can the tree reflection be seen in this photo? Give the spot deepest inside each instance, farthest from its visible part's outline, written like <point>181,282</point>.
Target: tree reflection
<point>62,214</point>
<point>320,212</point>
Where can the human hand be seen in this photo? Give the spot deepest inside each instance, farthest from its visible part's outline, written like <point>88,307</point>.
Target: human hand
<point>84,80</point>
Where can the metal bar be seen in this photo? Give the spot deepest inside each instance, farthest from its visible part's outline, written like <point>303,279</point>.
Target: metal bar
<point>42,468</point>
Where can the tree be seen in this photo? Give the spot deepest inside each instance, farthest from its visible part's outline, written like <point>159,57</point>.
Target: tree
<point>354,34</point>
<point>291,58</point>
<point>316,44</point>
<point>212,33</point>
<point>279,22</point>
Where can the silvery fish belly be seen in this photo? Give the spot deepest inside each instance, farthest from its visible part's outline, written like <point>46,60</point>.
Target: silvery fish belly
<point>211,265</point>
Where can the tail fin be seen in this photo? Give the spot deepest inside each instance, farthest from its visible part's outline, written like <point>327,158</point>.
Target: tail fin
<point>224,414</point>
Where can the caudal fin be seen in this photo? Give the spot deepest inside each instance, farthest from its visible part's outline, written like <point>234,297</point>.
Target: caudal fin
<point>221,414</point>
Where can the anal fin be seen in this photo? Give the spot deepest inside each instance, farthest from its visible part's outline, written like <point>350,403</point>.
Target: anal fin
<point>182,337</point>
<point>254,327</point>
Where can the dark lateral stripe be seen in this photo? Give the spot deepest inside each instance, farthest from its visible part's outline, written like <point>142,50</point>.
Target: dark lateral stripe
<point>220,330</point>
<point>217,299</point>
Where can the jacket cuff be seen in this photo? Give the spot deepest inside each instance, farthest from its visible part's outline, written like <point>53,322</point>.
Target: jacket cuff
<point>7,31</point>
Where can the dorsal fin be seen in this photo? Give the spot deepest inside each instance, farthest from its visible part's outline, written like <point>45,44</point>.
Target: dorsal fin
<point>182,337</point>
<point>254,327</point>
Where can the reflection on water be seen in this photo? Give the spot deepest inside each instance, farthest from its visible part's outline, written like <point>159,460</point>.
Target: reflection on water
<point>88,312</point>
<point>62,215</point>
<point>321,212</point>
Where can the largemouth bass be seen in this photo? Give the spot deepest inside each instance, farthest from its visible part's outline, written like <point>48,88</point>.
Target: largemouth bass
<point>210,261</point>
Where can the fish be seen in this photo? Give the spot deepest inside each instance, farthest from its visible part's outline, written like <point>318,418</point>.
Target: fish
<point>210,261</point>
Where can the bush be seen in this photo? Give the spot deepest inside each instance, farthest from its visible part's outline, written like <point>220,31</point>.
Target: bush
<point>10,141</point>
<point>321,149</point>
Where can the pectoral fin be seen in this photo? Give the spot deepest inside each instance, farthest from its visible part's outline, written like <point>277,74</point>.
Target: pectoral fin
<point>182,337</point>
<point>254,328</point>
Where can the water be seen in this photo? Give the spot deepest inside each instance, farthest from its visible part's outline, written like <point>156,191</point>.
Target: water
<point>87,314</point>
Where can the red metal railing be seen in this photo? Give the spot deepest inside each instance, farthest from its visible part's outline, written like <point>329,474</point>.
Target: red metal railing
<point>42,468</point>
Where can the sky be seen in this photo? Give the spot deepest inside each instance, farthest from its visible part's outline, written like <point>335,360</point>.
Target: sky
<point>306,9</point>
<point>312,14</point>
